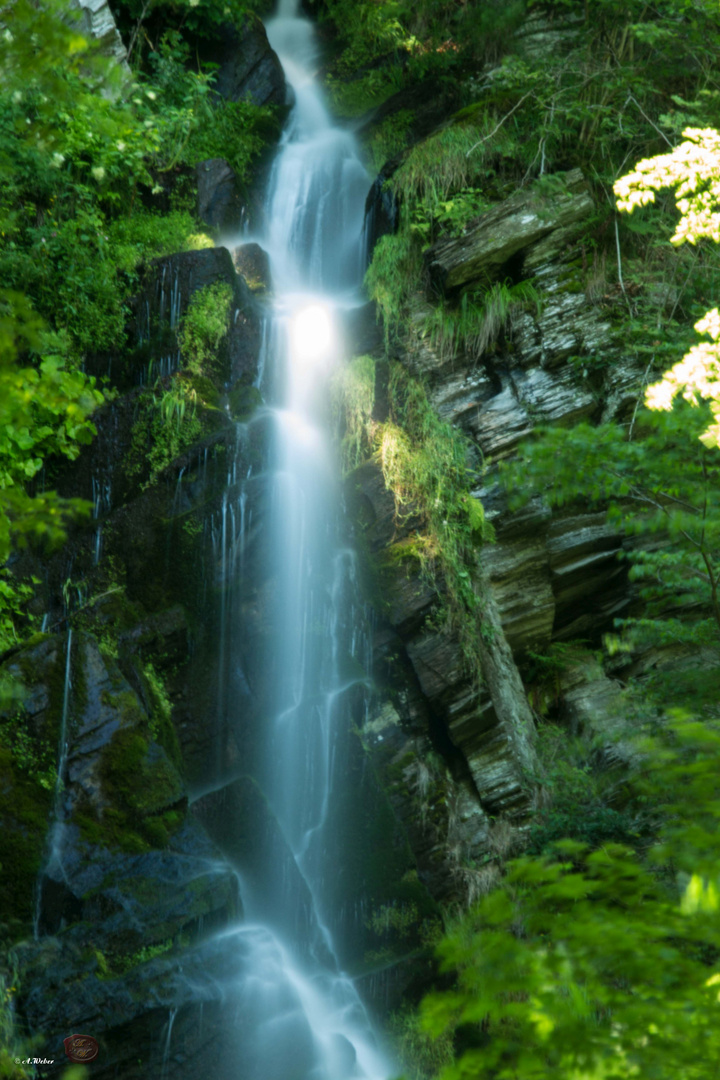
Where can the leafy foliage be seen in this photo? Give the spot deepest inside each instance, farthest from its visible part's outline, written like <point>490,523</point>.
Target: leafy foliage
<point>83,156</point>
<point>597,963</point>
<point>44,410</point>
<point>663,484</point>
<point>693,170</point>
<point>204,326</point>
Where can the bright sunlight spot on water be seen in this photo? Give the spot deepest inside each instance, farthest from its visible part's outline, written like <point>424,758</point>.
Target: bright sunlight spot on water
<point>311,334</point>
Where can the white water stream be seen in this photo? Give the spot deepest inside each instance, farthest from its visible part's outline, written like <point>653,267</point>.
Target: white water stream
<point>302,1018</point>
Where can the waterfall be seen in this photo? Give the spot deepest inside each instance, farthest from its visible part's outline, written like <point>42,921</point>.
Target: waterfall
<point>302,1018</point>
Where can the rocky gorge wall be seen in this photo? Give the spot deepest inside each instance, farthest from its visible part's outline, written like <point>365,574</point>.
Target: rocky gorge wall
<point>549,578</point>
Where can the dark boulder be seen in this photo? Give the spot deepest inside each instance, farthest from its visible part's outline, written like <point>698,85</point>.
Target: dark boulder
<point>249,67</point>
<point>131,884</point>
<point>382,210</point>
<point>219,203</point>
<point>173,280</point>
<point>253,264</point>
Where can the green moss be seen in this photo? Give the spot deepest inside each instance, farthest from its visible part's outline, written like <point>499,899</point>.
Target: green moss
<point>411,550</point>
<point>137,777</point>
<point>167,423</point>
<point>391,137</point>
<point>353,399</point>
<point>25,806</point>
<point>203,329</point>
<point>204,388</point>
<point>144,788</point>
<point>161,725</point>
<point>423,460</point>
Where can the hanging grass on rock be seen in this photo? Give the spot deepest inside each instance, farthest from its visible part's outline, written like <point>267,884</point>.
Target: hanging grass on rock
<point>353,397</point>
<point>474,327</point>
<point>424,465</point>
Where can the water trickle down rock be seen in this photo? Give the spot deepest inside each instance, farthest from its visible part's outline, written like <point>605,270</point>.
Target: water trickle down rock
<point>126,825</point>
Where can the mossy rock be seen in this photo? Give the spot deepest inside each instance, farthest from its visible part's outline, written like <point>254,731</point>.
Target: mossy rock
<point>205,389</point>
<point>138,774</point>
<point>243,401</point>
<point>145,792</point>
<point>25,807</point>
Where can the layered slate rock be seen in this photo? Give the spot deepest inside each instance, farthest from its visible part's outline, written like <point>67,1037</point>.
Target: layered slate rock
<point>96,21</point>
<point>513,226</point>
<point>445,824</point>
<point>549,576</point>
<point>491,730</point>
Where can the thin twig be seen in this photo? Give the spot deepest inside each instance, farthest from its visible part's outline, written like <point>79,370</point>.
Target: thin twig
<point>620,275</point>
<point>136,31</point>
<point>650,122</point>
<point>683,287</point>
<point>499,125</point>
<point>637,403</point>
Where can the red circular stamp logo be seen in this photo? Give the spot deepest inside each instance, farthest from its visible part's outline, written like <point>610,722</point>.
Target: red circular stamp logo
<point>81,1048</point>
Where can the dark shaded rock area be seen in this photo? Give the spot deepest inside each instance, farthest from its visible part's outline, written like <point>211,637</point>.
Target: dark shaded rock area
<point>253,263</point>
<point>219,202</point>
<point>382,211</point>
<point>128,873</point>
<point>249,67</point>
<point>131,890</point>
<point>447,763</point>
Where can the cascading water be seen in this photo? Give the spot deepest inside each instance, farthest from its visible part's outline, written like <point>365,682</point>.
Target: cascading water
<point>302,1018</point>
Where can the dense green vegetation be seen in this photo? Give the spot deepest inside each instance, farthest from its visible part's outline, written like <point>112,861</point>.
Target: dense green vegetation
<point>95,171</point>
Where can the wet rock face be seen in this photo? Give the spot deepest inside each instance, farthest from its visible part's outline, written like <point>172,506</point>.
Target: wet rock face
<point>129,874</point>
<point>382,211</point>
<point>249,67</point>
<point>241,823</point>
<point>173,280</point>
<point>132,887</point>
<point>219,203</point>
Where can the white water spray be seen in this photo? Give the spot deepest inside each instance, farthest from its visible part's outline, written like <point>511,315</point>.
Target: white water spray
<point>302,1017</point>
